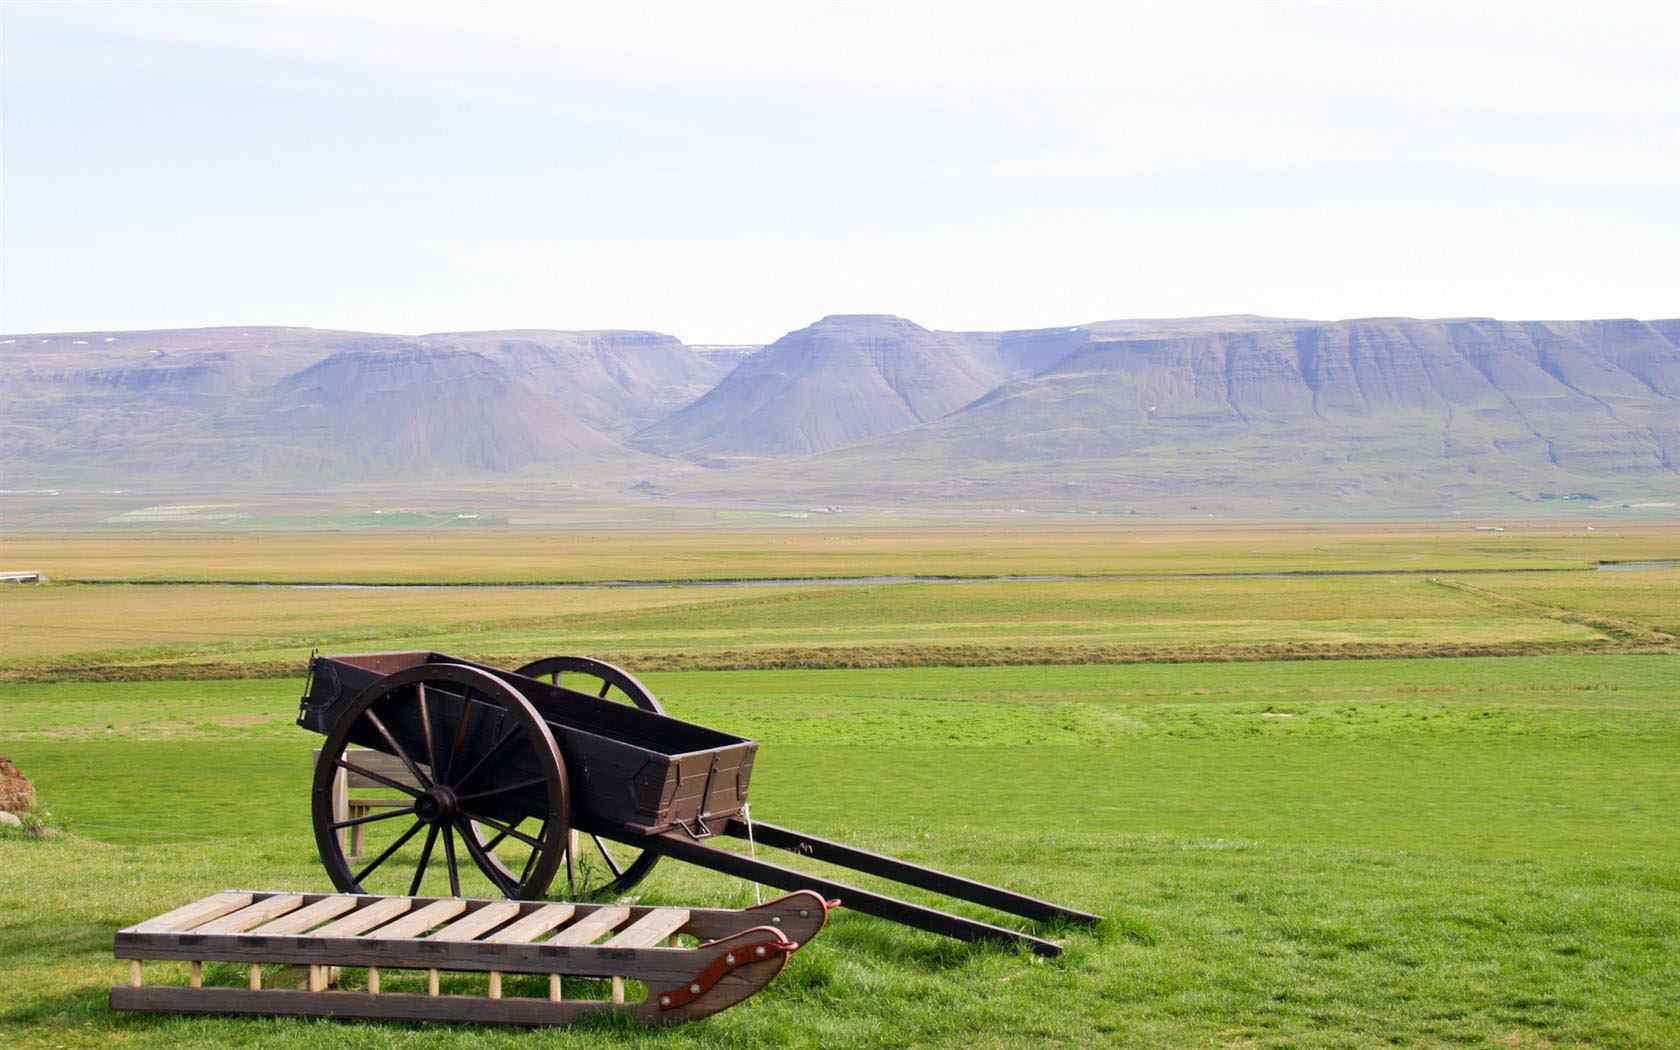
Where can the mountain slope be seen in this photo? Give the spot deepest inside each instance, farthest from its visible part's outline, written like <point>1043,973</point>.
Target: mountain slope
<point>616,382</point>
<point>845,379</point>
<point>294,403</point>
<point>1305,411</point>
<point>363,413</point>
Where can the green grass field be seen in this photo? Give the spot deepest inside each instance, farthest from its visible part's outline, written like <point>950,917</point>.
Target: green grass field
<point>1301,852</point>
<point>1335,853</point>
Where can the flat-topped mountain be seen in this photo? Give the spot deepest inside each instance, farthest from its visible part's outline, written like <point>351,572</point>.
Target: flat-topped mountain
<point>289,404</point>
<point>856,407</point>
<point>1350,409</point>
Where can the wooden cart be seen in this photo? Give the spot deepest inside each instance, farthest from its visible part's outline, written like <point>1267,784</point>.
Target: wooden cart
<point>529,760</point>
<point>737,953</point>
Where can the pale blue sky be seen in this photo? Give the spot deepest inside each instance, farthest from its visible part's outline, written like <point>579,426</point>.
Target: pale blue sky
<point>726,172</point>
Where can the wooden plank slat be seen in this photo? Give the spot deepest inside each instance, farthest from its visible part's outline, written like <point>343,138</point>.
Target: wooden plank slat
<point>200,911</point>
<point>596,924</point>
<point>534,925</point>
<point>650,930</point>
<point>254,915</point>
<point>312,915</point>
<point>469,926</point>
<point>417,922</point>
<point>363,919</point>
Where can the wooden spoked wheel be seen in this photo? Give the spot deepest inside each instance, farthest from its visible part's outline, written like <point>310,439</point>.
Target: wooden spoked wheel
<point>598,678</point>
<point>624,866</point>
<point>482,766</point>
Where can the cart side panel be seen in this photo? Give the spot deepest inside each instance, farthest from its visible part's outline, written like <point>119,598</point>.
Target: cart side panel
<point>336,680</point>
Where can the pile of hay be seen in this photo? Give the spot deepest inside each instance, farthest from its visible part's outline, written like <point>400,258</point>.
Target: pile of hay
<point>17,794</point>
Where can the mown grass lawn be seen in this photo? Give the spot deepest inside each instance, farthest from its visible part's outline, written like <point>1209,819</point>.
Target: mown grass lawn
<point>1311,854</point>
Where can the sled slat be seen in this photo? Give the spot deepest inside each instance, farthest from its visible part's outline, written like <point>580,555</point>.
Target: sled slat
<point>312,915</point>
<point>651,929</point>
<point>534,925</point>
<point>591,927</point>
<point>470,926</point>
<point>417,922</point>
<point>198,912</point>
<point>364,919</point>
<point>253,915</point>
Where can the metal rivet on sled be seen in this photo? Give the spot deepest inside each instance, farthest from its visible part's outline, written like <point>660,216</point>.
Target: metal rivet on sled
<point>694,989</point>
<point>664,1000</point>
<point>730,958</point>
<point>761,949</point>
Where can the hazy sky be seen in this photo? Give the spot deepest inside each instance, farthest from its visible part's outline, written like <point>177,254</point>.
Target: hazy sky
<point>726,171</point>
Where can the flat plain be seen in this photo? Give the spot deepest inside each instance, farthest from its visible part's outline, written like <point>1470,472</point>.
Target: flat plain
<point>1307,852</point>
<point>817,549</point>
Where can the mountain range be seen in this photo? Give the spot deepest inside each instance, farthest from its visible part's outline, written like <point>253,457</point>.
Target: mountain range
<point>1300,414</point>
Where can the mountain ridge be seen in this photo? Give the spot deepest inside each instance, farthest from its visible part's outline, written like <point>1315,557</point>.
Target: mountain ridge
<point>856,404</point>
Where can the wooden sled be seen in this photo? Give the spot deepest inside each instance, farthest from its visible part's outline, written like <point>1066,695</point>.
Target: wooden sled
<point>738,953</point>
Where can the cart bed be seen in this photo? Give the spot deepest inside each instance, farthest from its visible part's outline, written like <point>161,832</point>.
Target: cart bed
<point>627,767</point>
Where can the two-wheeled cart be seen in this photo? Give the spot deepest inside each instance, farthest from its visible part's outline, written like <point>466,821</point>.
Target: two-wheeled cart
<point>513,768</point>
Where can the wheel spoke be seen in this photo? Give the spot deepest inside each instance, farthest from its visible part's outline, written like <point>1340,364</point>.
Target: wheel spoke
<point>425,858</point>
<point>505,829</point>
<point>426,725</point>
<point>387,815</point>
<point>606,854</point>
<point>383,857</point>
<point>494,749</point>
<point>490,847</point>
<point>449,855</point>
<point>533,782</point>
<point>606,685</point>
<point>487,864</point>
<point>379,778</point>
<point>397,749</point>
<point>460,732</point>
<point>532,859</point>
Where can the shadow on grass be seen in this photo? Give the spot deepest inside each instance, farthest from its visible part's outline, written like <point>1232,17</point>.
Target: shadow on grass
<point>886,942</point>
<point>44,944</point>
<point>79,1005</point>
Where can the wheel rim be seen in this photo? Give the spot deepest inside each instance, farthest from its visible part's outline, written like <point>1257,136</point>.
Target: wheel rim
<point>604,870</point>
<point>604,681</point>
<point>480,762</point>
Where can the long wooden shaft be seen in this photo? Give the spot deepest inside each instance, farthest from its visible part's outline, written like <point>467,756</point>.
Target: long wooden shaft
<point>679,845</point>
<point>909,874</point>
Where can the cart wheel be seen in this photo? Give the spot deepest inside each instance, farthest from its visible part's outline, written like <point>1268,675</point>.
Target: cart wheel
<point>485,762</point>
<point>625,866</point>
<point>595,677</point>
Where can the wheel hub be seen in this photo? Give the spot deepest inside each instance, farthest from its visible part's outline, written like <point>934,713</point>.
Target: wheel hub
<point>437,805</point>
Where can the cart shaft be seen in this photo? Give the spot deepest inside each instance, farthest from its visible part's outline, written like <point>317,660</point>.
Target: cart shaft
<point>897,870</point>
<point>683,847</point>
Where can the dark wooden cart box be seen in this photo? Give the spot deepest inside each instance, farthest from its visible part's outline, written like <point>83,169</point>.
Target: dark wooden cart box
<point>627,767</point>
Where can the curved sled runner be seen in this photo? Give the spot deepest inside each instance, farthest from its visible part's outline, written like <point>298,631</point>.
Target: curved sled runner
<point>737,953</point>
